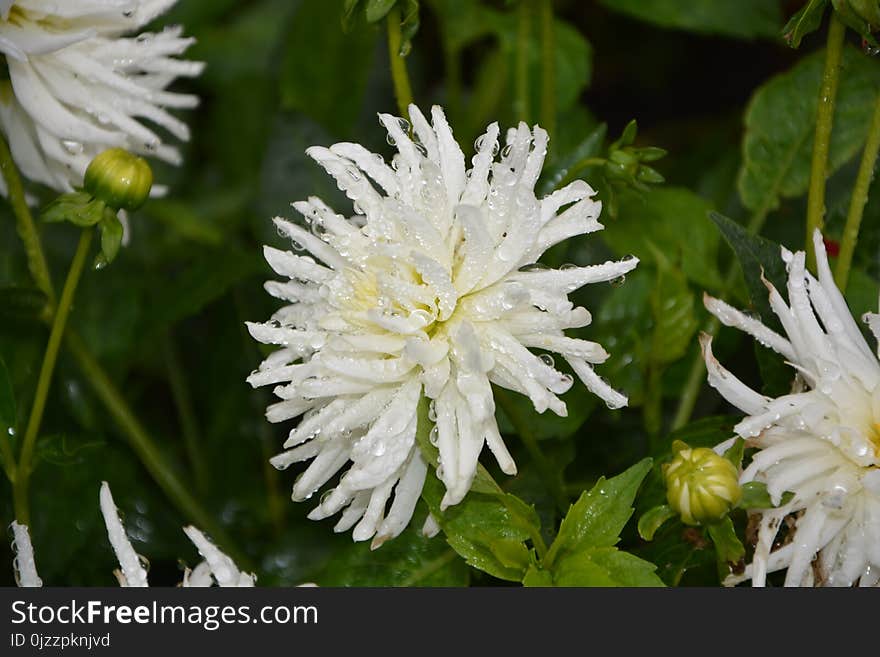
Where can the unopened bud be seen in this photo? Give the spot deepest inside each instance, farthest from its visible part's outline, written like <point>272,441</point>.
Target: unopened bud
<point>119,179</point>
<point>701,486</point>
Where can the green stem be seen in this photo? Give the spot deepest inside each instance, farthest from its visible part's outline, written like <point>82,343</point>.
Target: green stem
<point>25,462</point>
<point>548,67</point>
<point>399,76</point>
<point>145,448</point>
<point>822,139</point>
<point>549,473</point>
<point>111,397</point>
<point>27,230</point>
<point>576,169</point>
<point>523,35</point>
<point>859,200</point>
<point>188,423</point>
<point>697,373</point>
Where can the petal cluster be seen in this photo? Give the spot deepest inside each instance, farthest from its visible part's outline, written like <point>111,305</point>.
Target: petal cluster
<point>77,85</point>
<point>429,289</point>
<point>216,567</point>
<point>821,443</point>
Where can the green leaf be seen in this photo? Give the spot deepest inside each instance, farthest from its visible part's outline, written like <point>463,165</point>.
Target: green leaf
<point>734,453</point>
<point>737,18</point>
<point>324,70</point>
<point>537,577</point>
<point>759,259</point>
<point>672,306</point>
<point>605,567</point>
<point>651,521</point>
<point>806,20</point>
<point>597,518</point>
<point>411,559</point>
<point>727,545</point>
<point>111,237</point>
<point>483,530</point>
<point>660,218</point>
<point>780,124</point>
<point>755,496</point>
<point>79,208</point>
<point>376,10</point>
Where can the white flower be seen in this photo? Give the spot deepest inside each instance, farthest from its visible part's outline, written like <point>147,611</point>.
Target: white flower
<point>821,442</point>
<point>429,289</point>
<point>216,567</point>
<point>78,87</point>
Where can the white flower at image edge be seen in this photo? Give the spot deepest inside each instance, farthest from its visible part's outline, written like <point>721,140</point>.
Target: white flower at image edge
<point>821,442</point>
<point>430,288</point>
<point>215,568</point>
<point>77,87</point>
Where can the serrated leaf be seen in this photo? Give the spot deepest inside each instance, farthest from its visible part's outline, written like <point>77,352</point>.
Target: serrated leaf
<point>652,520</point>
<point>780,125</point>
<point>605,567</point>
<point>805,21</point>
<point>483,530</point>
<point>737,18</point>
<point>597,518</point>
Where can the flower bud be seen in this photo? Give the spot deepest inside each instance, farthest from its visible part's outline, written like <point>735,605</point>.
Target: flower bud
<point>120,179</point>
<point>701,486</point>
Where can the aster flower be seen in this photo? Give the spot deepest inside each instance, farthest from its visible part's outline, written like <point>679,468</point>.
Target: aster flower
<point>821,443</point>
<point>429,289</point>
<point>215,568</point>
<point>77,86</point>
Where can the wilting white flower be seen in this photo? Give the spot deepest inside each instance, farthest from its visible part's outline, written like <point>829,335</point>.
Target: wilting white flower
<point>821,442</point>
<point>431,289</point>
<point>78,86</point>
<point>216,567</point>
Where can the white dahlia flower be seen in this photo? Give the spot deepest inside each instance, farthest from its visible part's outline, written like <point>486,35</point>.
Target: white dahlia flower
<point>430,288</point>
<point>215,568</point>
<point>821,443</point>
<point>77,86</point>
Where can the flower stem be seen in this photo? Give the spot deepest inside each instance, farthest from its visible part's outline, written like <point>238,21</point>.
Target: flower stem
<point>399,76</point>
<point>523,35</point>
<point>859,200</point>
<point>59,321</point>
<point>27,230</point>
<point>822,139</point>
<point>548,67</point>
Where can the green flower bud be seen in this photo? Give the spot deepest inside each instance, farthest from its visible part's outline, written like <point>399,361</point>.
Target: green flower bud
<point>119,179</point>
<point>701,486</point>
